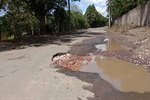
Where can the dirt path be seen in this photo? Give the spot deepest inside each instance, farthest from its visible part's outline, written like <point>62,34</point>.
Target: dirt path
<point>27,73</point>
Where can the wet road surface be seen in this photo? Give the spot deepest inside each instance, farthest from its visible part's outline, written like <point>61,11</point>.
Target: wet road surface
<point>116,79</point>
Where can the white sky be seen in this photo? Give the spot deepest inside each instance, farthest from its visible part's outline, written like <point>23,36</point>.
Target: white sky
<point>100,5</point>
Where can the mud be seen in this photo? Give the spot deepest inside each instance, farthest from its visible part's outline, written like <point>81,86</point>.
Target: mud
<point>125,76</point>
<point>120,75</point>
<point>104,86</point>
<point>92,45</point>
<point>117,80</point>
<point>111,72</point>
<point>112,45</point>
<point>110,48</point>
<point>86,46</point>
<point>116,72</point>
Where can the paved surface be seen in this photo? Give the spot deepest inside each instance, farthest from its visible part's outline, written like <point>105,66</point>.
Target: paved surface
<point>27,74</point>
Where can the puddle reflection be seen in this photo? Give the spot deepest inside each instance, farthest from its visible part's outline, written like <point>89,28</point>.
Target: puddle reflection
<point>110,45</point>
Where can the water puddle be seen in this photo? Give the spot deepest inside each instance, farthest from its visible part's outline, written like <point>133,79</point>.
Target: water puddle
<point>110,45</point>
<point>124,76</point>
<point>101,47</point>
<point>113,45</point>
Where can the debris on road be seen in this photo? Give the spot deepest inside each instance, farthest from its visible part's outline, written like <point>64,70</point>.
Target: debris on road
<point>70,61</point>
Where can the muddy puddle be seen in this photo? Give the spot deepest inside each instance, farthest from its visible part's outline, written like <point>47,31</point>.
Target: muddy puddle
<point>124,76</point>
<point>110,45</point>
<point>111,77</point>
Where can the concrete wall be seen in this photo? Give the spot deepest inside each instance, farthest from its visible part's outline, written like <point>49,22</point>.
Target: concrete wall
<point>139,16</point>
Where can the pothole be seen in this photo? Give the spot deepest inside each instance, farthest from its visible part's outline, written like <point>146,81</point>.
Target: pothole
<point>122,75</point>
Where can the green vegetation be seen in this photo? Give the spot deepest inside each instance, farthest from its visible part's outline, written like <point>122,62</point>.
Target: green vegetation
<point>37,17</point>
<point>94,18</point>
<point>120,7</point>
<point>78,21</point>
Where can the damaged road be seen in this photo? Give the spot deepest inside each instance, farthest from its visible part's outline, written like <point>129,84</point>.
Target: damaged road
<point>29,73</point>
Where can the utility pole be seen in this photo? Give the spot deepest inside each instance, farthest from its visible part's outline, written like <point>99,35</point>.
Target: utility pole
<point>109,14</point>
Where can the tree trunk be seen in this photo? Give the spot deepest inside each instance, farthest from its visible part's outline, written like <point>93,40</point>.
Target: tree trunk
<point>1,3</point>
<point>13,27</point>
<point>42,24</point>
<point>32,29</point>
<point>0,33</point>
<point>58,27</point>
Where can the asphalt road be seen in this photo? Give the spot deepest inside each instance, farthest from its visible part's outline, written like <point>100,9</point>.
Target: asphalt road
<point>28,74</point>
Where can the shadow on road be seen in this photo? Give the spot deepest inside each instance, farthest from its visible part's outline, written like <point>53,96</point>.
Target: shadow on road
<point>38,41</point>
<point>43,40</point>
<point>102,89</point>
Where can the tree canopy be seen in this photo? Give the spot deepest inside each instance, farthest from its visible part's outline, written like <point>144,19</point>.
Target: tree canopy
<point>36,17</point>
<point>41,8</point>
<point>94,18</point>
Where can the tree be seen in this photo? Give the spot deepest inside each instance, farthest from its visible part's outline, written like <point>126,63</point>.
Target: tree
<point>41,8</point>
<point>94,18</point>
<point>16,17</point>
<point>34,16</point>
<point>78,21</point>
<point>60,15</point>
<point>3,4</point>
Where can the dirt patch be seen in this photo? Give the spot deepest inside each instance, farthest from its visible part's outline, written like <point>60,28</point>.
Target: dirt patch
<point>117,47</point>
<point>87,46</point>
<point>136,39</point>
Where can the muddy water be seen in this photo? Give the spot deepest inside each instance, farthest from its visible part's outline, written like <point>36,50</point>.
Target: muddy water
<point>112,45</point>
<point>101,47</point>
<point>123,75</point>
<point>126,76</point>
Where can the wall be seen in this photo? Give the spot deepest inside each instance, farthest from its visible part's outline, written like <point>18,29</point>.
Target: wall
<point>139,16</point>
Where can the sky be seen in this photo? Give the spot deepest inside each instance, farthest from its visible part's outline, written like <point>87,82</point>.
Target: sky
<point>1,13</point>
<point>100,5</point>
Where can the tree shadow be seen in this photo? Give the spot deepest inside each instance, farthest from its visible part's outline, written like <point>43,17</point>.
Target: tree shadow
<point>102,89</point>
<point>43,40</point>
<point>37,41</point>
